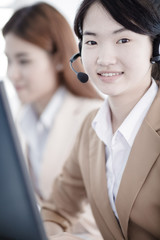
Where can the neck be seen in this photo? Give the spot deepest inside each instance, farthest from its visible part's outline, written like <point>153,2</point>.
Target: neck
<point>120,106</point>
<point>40,105</point>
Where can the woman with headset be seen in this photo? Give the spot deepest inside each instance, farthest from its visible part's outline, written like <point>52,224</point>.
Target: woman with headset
<point>39,44</point>
<point>115,162</point>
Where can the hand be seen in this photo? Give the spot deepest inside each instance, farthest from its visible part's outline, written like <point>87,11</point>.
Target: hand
<point>52,228</point>
<point>64,236</point>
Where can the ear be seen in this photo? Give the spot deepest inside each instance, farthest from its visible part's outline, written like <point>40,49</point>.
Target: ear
<point>59,67</point>
<point>57,62</point>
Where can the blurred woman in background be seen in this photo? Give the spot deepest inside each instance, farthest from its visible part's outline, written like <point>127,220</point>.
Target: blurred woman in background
<point>39,44</point>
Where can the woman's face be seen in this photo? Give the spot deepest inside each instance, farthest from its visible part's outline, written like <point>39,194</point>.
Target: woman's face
<point>117,60</point>
<point>31,70</point>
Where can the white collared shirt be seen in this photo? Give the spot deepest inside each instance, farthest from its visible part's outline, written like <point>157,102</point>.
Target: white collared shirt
<point>35,130</point>
<point>119,144</point>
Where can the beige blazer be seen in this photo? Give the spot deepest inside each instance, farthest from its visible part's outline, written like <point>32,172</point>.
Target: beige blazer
<point>138,199</point>
<point>62,137</point>
<point>59,144</point>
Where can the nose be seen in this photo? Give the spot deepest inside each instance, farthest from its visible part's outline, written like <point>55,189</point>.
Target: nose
<point>13,72</point>
<point>107,56</point>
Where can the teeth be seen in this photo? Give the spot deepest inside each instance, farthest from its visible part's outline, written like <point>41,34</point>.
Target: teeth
<point>110,74</point>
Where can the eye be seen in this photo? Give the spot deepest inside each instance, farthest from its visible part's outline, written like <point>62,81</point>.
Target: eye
<point>91,43</point>
<point>123,40</point>
<point>23,61</point>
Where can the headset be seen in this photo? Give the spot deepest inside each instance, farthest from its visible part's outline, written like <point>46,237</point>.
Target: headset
<point>156,51</point>
<point>83,77</point>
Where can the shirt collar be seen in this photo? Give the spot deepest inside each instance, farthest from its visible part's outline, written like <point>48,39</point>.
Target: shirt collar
<point>28,117</point>
<point>52,108</point>
<point>133,121</point>
<point>102,121</point>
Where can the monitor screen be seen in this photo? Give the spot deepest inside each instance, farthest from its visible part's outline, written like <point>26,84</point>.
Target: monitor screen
<point>19,215</point>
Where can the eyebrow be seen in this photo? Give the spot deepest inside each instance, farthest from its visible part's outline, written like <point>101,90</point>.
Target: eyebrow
<point>114,32</point>
<point>89,33</point>
<point>23,54</point>
<point>120,30</point>
<point>18,55</point>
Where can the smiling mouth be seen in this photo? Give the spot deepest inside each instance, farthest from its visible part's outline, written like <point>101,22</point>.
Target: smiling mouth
<point>110,74</point>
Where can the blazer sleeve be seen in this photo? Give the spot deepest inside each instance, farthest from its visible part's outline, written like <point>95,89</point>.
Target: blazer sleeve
<point>68,197</point>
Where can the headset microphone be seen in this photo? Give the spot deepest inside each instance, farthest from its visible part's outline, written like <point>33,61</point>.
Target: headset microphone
<point>156,51</point>
<point>83,77</point>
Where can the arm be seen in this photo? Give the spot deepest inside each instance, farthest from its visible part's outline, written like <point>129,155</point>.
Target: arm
<point>68,236</point>
<point>67,198</point>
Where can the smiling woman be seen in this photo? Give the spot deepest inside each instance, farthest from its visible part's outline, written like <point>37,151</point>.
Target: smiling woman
<point>116,158</point>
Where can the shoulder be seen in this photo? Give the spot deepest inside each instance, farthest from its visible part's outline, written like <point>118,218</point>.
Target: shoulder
<point>90,116</point>
<point>83,103</point>
<point>77,98</point>
<point>86,129</point>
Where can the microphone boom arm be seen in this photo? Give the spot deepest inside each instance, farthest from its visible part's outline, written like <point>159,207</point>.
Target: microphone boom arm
<point>83,77</point>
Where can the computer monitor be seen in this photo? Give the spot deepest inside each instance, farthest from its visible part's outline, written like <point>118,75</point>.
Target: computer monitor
<point>19,215</point>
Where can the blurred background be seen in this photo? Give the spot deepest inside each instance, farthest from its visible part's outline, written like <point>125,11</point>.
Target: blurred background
<point>67,7</point>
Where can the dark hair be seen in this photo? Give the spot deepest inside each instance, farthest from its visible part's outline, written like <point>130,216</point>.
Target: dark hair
<point>44,26</point>
<point>140,16</point>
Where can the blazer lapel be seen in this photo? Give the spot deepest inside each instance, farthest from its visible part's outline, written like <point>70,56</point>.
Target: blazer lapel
<point>144,153</point>
<point>99,186</point>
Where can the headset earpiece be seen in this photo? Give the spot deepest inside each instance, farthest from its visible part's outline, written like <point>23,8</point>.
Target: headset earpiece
<point>80,47</point>
<point>156,51</point>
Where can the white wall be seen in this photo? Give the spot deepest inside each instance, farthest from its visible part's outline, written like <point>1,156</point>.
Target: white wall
<point>66,7</point>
